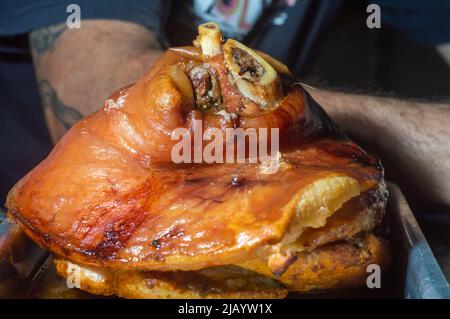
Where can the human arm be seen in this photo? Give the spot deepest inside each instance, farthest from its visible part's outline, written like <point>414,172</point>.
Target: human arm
<point>413,139</point>
<point>77,69</point>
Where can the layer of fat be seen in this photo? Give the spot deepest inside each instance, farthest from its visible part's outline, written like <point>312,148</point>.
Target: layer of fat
<point>319,201</point>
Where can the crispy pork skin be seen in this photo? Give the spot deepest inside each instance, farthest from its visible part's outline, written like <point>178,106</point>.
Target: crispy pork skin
<point>110,195</point>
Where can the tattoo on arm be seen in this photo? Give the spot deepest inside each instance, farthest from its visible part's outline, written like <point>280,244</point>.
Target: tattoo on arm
<point>65,114</point>
<point>43,40</point>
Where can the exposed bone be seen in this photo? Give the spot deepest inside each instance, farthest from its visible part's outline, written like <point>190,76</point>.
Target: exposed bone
<point>209,39</point>
<point>277,65</point>
<point>255,78</point>
<point>206,88</point>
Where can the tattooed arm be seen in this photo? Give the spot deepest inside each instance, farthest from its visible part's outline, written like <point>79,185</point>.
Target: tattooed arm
<point>77,69</point>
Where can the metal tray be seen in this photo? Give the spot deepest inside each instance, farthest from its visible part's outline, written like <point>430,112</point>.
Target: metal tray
<point>26,271</point>
<point>423,277</point>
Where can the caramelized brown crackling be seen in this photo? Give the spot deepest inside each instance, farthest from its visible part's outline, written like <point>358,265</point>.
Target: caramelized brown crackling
<point>109,194</point>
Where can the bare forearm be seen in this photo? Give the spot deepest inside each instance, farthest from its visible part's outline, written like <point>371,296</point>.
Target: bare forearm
<point>412,137</point>
<point>77,69</point>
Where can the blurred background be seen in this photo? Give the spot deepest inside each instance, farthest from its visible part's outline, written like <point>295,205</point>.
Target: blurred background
<point>328,44</point>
